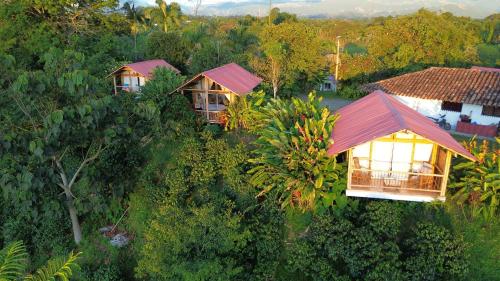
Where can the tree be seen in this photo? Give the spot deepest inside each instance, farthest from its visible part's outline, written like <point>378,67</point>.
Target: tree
<point>166,15</point>
<point>170,46</point>
<point>291,155</point>
<point>422,38</point>
<point>13,261</point>
<point>288,49</point>
<point>196,6</point>
<point>57,128</point>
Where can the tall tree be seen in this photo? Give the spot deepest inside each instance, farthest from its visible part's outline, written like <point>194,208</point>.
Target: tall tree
<point>166,15</point>
<point>287,50</point>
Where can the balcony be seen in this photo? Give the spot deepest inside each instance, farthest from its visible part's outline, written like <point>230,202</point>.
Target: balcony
<point>421,181</point>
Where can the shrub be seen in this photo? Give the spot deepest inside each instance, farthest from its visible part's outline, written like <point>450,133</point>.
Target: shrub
<point>477,183</point>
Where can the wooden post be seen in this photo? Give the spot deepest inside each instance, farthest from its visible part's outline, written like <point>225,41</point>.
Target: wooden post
<point>205,85</point>
<point>217,101</point>
<point>349,168</point>
<point>414,144</point>
<point>114,84</point>
<point>446,173</point>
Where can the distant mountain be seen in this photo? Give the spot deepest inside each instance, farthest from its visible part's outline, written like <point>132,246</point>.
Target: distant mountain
<point>341,8</point>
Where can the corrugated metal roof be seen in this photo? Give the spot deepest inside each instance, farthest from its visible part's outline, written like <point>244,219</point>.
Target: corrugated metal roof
<point>147,67</point>
<point>378,115</point>
<point>231,76</point>
<point>477,85</point>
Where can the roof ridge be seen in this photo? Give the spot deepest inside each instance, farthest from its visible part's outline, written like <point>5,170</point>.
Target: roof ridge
<point>392,109</point>
<point>212,69</point>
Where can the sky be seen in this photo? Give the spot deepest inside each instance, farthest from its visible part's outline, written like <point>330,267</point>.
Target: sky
<point>340,8</point>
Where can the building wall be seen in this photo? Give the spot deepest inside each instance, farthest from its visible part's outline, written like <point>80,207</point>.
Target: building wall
<point>433,108</point>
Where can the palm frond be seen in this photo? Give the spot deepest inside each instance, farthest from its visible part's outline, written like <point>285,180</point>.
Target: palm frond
<point>13,261</point>
<point>56,269</point>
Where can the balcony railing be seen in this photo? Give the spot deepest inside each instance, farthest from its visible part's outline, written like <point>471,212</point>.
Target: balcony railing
<point>396,181</point>
<point>129,88</point>
<point>214,116</point>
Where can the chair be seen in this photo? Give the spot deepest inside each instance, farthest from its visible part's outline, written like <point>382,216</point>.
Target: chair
<point>360,175</point>
<point>426,181</point>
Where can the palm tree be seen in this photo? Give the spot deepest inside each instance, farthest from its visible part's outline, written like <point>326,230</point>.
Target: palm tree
<point>137,20</point>
<point>13,261</point>
<point>165,15</point>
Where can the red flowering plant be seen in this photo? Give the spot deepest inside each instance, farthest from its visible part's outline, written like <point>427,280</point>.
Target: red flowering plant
<point>290,159</point>
<point>476,185</point>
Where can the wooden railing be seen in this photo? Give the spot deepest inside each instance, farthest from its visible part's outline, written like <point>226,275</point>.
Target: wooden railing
<point>395,180</point>
<point>215,117</point>
<point>129,88</point>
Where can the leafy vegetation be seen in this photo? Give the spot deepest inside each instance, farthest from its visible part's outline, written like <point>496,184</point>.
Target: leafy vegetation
<point>13,261</point>
<point>291,155</point>
<point>478,183</point>
<point>196,202</point>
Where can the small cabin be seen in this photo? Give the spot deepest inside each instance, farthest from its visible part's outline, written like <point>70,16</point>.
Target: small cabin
<point>132,77</point>
<point>393,152</point>
<point>213,90</point>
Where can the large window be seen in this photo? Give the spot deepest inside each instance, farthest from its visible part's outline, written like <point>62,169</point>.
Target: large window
<point>491,110</point>
<point>451,106</point>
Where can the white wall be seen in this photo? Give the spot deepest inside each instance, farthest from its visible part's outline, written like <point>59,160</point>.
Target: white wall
<point>433,108</point>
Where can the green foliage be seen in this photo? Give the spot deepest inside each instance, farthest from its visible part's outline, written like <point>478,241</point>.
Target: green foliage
<point>289,51</point>
<point>351,92</point>
<point>58,268</point>
<point>434,254</point>
<point>240,113</point>
<point>13,262</point>
<point>489,54</point>
<point>291,154</point>
<point>478,183</point>
<point>373,243</point>
<point>170,46</point>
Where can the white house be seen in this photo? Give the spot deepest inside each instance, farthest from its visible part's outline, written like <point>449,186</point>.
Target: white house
<point>328,84</point>
<point>453,92</point>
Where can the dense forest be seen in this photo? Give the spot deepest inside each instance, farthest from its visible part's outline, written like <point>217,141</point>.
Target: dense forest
<point>257,199</point>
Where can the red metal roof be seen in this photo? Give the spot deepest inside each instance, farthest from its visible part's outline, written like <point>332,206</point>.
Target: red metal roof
<point>234,77</point>
<point>378,115</point>
<point>147,67</point>
<point>231,76</point>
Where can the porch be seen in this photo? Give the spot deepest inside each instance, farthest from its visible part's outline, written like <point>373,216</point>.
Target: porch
<point>420,185</point>
<point>402,166</point>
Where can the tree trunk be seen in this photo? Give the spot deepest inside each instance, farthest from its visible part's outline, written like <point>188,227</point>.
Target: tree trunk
<point>77,231</point>
<point>275,90</point>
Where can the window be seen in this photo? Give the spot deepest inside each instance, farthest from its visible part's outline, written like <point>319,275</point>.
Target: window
<point>451,106</point>
<point>489,110</point>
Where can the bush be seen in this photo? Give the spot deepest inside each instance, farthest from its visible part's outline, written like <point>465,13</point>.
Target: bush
<point>372,243</point>
<point>351,92</point>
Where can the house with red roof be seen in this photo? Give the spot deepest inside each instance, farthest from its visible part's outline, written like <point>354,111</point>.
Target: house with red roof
<point>131,77</point>
<point>393,151</point>
<point>467,98</point>
<point>213,90</point>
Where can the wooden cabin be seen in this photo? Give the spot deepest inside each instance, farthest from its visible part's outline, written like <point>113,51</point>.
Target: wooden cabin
<point>393,151</point>
<point>213,90</point>
<point>132,77</point>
